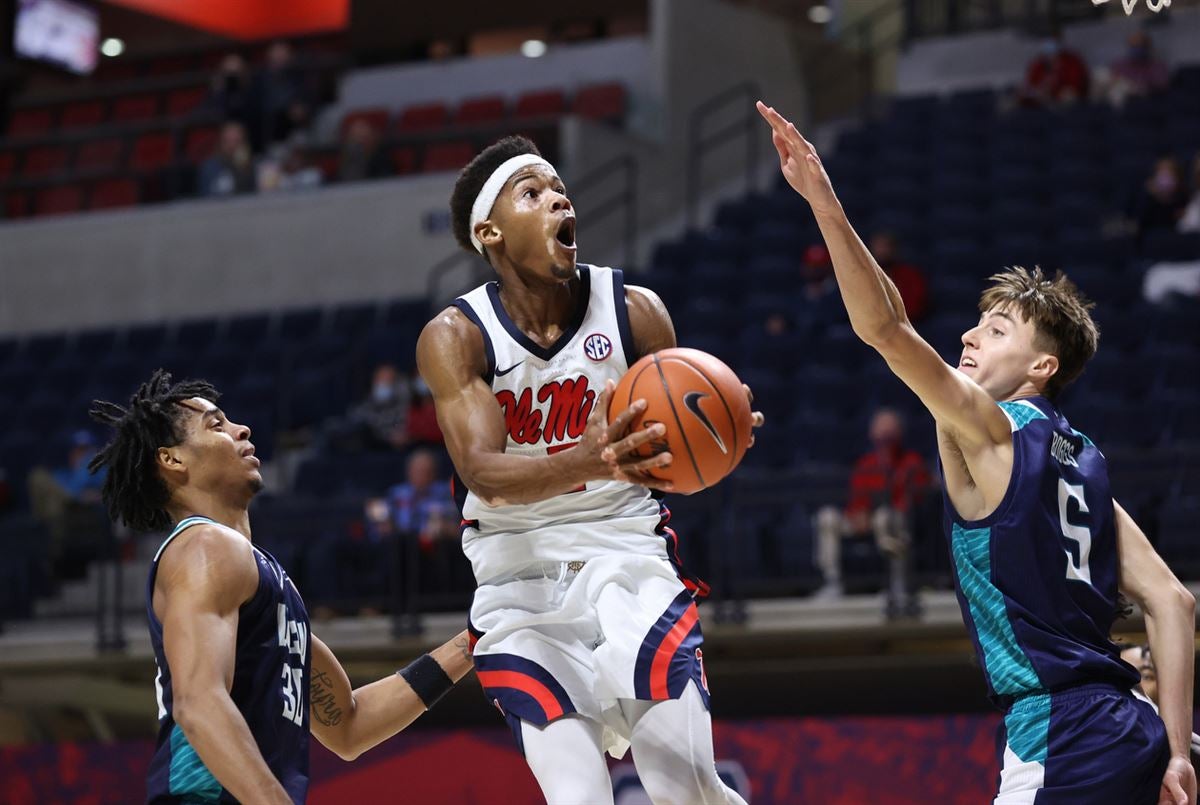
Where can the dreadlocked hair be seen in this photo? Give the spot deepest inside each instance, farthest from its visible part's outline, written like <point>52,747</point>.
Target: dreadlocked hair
<point>133,491</point>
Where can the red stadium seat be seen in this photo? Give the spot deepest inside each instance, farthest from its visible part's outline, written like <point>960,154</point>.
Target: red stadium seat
<point>447,156</point>
<point>404,159</point>
<point>541,103</point>
<point>16,204</point>
<point>327,161</point>
<point>82,115</point>
<point>601,102</point>
<point>376,116</point>
<point>8,164</point>
<point>44,160</point>
<point>424,117</point>
<point>100,155</point>
<point>135,108</point>
<point>200,143</point>
<point>153,151</point>
<point>172,65</point>
<point>112,193</point>
<point>476,111</point>
<point>181,102</point>
<point>58,200</point>
<point>30,122</point>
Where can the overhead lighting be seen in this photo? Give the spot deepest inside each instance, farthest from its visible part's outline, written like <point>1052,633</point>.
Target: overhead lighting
<point>112,47</point>
<point>533,48</point>
<point>820,14</point>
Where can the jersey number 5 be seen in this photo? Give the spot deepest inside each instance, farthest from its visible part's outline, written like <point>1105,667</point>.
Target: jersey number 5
<point>1077,533</point>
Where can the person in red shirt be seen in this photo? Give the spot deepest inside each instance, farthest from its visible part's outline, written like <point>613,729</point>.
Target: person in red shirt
<point>909,279</point>
<point>883,487</point>
<point>423,426</point>
<point>1057,75</point>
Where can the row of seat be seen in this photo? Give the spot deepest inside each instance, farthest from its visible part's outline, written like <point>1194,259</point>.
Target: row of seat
<point>38,121</point>
<point>606,101</point>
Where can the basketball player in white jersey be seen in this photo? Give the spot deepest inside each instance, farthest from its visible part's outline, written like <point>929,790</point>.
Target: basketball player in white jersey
<point>587,633</point>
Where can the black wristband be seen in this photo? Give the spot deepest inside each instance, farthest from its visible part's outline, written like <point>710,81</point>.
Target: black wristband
<point>427,679</point>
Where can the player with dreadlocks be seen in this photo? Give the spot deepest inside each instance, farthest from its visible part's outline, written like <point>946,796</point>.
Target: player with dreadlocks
<point>238,671</point>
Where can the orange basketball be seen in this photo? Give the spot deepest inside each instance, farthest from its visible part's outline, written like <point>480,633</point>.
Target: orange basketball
<point>702,404</point>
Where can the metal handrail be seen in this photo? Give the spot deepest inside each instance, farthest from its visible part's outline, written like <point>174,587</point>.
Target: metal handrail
<point>625,199</point>
<point>701,144</point>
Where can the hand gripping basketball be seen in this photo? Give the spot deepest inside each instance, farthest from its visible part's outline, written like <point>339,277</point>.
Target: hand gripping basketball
<point>617,449</point>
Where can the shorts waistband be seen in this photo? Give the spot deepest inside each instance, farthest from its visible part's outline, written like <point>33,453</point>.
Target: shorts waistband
<point>1035,697</point>
<point>556,571</point>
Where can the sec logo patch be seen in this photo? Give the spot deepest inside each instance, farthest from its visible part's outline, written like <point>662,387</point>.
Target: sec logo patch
<point>597,347</point>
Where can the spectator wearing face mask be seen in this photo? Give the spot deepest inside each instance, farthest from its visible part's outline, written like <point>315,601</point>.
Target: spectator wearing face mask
<point>885,484</point>
<point>1057,75</point>
<point>380,422</point>
<point>1162,200</point>
<point>423,426</point>
<point>1138,72</point>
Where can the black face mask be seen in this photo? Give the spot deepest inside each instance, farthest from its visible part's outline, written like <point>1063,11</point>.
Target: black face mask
<point>232,83</point>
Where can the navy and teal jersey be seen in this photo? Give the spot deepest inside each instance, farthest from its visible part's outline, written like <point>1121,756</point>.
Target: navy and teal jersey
<point>1037,579</point>
<point>270,689</point>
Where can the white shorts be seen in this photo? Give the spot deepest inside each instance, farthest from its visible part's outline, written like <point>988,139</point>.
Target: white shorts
<point>622,627</point>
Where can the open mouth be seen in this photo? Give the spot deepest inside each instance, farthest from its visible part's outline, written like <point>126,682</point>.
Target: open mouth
<point>968,362</point>
<point>566,232</point>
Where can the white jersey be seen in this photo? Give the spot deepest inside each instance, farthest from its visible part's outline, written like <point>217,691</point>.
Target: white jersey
<point>546,395</point>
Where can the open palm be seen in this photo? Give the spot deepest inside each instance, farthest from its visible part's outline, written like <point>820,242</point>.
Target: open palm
<point>799,162</point>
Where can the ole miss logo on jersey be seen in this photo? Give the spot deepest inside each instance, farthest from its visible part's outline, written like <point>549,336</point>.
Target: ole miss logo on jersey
<point>597,347</point>
<point>566,417</point>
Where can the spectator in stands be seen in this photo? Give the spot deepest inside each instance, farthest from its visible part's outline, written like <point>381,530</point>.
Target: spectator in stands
<point>230,170</point>
<point>1162,199</point>
<point>1139,72</point>
<point>381,421</point>
<point>282,94</point>
<point>819,305</point>
<point>363,155</point>
<point>63,496</point>
<point>421,509</point>
<point>1140,658</point>
<point>1056,76</point>
<point>231,92</point>
<point>5,491</point>
<point>1190,220</point>
<point>884,486</point>
<point>910,280</point>
<point>287,168</point>
<point>423,426</point>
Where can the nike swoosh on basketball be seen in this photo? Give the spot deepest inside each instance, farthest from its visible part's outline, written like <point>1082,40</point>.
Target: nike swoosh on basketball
<point>503,372</point>
<point>692,401</point>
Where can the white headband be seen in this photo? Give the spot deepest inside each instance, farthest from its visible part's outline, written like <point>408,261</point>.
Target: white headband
<point>486,199</point>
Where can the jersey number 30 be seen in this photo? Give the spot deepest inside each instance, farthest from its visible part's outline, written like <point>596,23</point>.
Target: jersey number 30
<point>1077,533</point>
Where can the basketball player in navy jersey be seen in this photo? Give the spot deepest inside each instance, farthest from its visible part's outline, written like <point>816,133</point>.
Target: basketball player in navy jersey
<point>1040,548</point>
<point>241,680</point>
<point>587,631</point>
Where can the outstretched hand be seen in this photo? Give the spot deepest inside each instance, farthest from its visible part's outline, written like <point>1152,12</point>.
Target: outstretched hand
<point>799,162</point>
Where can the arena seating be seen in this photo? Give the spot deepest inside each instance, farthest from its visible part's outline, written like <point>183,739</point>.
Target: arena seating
<point>990,191</point>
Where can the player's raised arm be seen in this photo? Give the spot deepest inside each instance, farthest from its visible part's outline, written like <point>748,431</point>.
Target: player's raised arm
<point>349,722</point>
<point>450,357</point>
<point>1170,611</point>
<point>203,581</point>
<point>876,310</point>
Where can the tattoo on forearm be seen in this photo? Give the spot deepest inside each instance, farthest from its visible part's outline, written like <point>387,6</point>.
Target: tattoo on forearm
<point>324,702</point>
<point>464,645</point>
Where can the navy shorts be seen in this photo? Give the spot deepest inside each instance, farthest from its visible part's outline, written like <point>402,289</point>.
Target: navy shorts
<point>1086,745</point>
